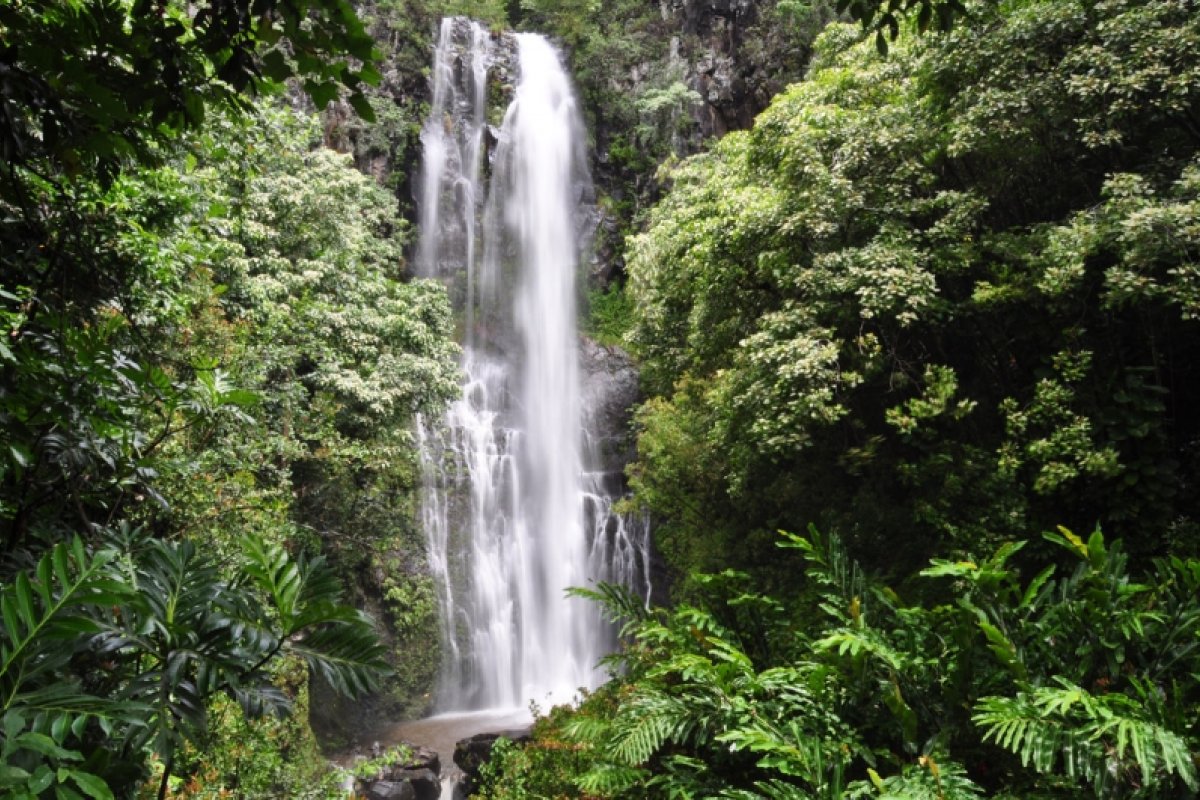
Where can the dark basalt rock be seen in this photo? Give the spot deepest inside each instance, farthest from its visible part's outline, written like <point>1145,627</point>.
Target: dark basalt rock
<point>422,758</point>
<point>391,790</point>
<point>610,389</point>
<point>426,783</point>
<point>417,777</point>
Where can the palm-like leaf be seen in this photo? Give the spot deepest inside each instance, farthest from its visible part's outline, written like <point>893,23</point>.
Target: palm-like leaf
<point>1096,737</point>
<point>57,600</point>
<point>336,641</point>
<point>191,634</point>
<point>51,605</point>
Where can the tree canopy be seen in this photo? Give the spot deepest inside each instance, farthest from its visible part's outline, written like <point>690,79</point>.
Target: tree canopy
<point>87,84</point>
<point>947,294</point>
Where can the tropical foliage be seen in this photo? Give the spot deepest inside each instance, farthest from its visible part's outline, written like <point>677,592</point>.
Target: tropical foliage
<point>933,302</point>
<point>986,680</point>
<point>204,316</point>
<point>943,295</point>
<point>161,633</point>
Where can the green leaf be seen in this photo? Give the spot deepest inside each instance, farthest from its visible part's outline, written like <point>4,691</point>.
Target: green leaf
<point>370,75</point>
<point>322,92</point>
<point>276,67</point>
<point>362,107</point>
<point>1035,586</point>
<point>41,743</point>
<point>63,792</point>
<point>10,775</point>
<point>41,779</point>
<point>92,785</point>
<point>1004,553</point>
<point>1004,649</point>
<point>59,727</point>
<point>8,610</point>
<point>1067,539</point>
<point>23,593</point>
<point>1096,552</point>
<point>241,397</point>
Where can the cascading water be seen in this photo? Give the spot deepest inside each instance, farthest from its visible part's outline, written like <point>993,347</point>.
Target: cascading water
<point>511,516</point>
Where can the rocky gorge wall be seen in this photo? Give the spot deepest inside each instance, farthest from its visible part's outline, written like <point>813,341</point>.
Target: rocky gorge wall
<point>737,55</point>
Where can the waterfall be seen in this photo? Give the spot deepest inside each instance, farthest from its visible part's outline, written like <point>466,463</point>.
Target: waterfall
<point>517,504</point>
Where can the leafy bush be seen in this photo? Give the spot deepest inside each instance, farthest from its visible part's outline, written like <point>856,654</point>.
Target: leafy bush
<point>609,315</point>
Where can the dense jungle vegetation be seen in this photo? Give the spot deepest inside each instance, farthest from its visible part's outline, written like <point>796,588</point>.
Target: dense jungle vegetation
<point>210,361</point>
<point>935,305</point>
<point>921,365</point>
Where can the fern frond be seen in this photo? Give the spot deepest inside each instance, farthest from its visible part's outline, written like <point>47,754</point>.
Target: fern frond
<point>930,779</point>
<point>608,780</point>
<point>618,603</point>
<point>1151,747</point>
<point>777,790</point>
<point>649,720</point>
<point>829,566</point>
<point>855,642</point>
<point>586,729</point>
<point>1095,736</point>
<point>1017,725</point>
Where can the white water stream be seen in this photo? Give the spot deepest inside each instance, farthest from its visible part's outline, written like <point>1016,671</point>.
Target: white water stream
<point>511,516</point>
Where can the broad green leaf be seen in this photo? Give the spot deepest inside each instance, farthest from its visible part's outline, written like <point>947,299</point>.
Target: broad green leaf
<point>10,775</point>
<point>362,107</point>
<point>41,743</point>
<point>92,785</point>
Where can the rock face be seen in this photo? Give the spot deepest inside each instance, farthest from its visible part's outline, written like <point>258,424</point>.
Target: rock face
<point>473,752</point>
<point>710,43</point>
<point>390,790</point>
<point>417,777</point>
<point>610,389</point>
<point>688,71</point>
<point>736,54</point>
<point>425,783</point>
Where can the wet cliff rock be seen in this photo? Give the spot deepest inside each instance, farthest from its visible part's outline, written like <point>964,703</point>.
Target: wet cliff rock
<point>610,389</point>
<point>736,55</point>
<point>676,74</point>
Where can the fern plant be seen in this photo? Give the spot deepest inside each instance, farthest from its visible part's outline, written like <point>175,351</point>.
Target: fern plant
<point>1105,739</point>
<point>698,718</point>
<point>926,778</point>
<point>999,676</point>
<point>164,631</point>
<point>1101,669</point>
<point>41,711</point>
